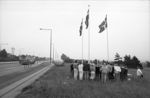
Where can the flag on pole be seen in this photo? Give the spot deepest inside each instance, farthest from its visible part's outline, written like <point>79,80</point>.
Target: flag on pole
<point>103,25</point>
<point>81,26</point>
<point>106,21</point>
<point>87,19</point>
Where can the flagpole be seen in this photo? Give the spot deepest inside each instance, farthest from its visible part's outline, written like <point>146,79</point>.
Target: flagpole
<point>89,36</point>
<point>82,48</point>
<point>107,45</point>
<point>81,34</point>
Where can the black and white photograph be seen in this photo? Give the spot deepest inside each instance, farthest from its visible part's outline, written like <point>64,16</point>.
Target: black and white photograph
<point>74,48</point>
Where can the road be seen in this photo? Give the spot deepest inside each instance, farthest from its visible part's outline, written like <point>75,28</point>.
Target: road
<point>12,90</point>
<point>11,67</point>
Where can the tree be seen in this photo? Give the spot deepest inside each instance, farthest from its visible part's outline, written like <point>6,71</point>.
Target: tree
<point>65,58</point>
<point>127,60</point>
<point>136,62</point>
<point>3,54</point>
<point>133,62</point>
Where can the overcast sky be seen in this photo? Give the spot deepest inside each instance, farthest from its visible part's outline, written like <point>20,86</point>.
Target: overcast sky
<point>128,27</point>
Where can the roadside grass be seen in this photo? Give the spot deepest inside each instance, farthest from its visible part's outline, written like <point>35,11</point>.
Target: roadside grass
<point>57,83</point>
<point>11,78</point>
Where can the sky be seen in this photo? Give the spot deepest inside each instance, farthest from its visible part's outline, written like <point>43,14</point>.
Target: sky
<point>128,27</point>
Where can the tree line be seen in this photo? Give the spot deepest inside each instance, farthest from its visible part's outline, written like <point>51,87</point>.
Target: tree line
<point>127,60</point>
<point>5,56</point>
<point>130,62</point>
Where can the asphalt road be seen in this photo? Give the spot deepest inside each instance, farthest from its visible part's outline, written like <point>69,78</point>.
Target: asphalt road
<point>12,90</point>
<point>11,67</point>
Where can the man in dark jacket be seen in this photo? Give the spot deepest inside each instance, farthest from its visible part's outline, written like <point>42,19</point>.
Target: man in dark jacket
<point>71,70</point>
<point>123,73</point>
<point>86,69</point>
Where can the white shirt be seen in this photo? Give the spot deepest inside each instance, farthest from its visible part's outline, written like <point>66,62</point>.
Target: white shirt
<point>80,67</point>
<point>139,72</point>
<point>117,68</point>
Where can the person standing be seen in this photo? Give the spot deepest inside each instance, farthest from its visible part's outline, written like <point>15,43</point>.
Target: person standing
<point>123,73</point>
<point>117,71</point>
<point>104,71</point>
<point>126,72</point>
<point>80,69</point>
<point>92,69</point>
<point>139,73</point>
<point>75,69</point>
<point>71,70</point>
<point>86,69</point>
<point>109,71</point>
<point>97,71</point>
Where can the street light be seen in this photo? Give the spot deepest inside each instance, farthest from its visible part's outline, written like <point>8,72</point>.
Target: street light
<point>50,42</point>
<point>53,52</point>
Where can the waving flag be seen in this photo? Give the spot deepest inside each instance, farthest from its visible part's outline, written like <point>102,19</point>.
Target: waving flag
<point>87,19</point>
<point>81,27</point>
<point>103,25</point>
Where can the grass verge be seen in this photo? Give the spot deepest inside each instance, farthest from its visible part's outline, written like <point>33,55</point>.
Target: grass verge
<point>57,83</point>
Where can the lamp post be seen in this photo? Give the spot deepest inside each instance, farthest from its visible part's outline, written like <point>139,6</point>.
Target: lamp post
<point>50,43</point>
<point>53,52</point>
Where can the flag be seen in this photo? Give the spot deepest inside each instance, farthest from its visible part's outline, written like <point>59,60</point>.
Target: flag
<point>103,25</point>
<point>87,19</point>
<point>106,21</point>
<point>81,26</point>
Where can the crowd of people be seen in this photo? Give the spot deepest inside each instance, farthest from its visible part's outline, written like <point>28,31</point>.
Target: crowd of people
<point>100,71</point>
